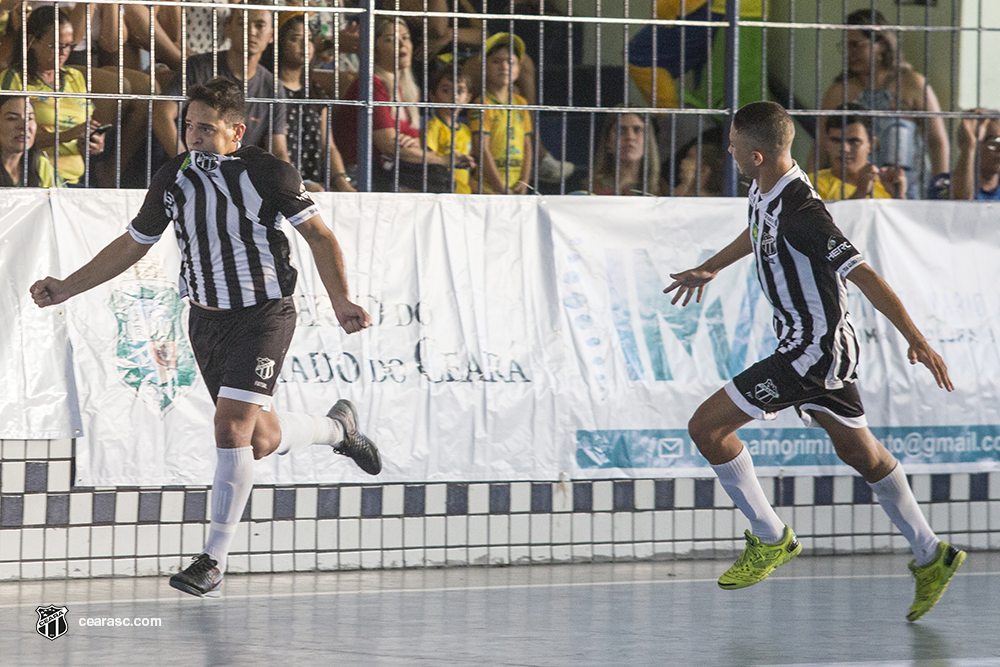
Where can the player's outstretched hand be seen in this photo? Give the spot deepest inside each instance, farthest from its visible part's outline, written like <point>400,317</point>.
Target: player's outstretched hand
<point>926,355</point>
<point>351,316</point>
<point>49,291</point>
<point>689,283</point>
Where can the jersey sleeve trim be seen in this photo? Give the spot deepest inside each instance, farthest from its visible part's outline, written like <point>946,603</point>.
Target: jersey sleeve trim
<point>302,216</point>
<point>850,265</point>
<point>139,237</point>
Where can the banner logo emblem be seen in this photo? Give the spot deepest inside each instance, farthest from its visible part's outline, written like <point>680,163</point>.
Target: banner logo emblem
<point>265,368</point>
<point>154,357</point>
<point>51,621</point>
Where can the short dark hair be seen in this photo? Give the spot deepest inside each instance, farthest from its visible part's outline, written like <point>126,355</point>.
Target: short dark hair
<point>222,95</point>
<point>837,122</point>
<point>767,125</point>
<point>445,72</point>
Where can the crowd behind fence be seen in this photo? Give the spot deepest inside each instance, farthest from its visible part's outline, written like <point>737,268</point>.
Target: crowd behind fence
<point>503,96</point>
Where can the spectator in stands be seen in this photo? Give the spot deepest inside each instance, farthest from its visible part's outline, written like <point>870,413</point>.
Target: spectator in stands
<point>502,139</point>
<point>977,136</point>
<point>699,168</point>
<point>445,133</point>
<point>200,20</point>
<point>260,84</point>
<point>17,137</point>
<point>627,154</point>
<point>166,22</point>
<point>394,129</point>
<point>311,148</point>
<point>852,176</point>
<point>46,55</point>
<point>874,65</point>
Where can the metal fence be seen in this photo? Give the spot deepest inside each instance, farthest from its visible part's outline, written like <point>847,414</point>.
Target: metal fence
<point>594,75</point>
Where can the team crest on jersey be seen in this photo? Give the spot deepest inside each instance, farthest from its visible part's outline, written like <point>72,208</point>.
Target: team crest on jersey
<point>206,161</point>
<point>765,391</point>
<point>154,357</point>
<point>768,246</point>
<point>265,368</point>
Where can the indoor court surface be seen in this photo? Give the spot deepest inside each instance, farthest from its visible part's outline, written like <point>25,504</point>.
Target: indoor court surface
<point>831,611</point>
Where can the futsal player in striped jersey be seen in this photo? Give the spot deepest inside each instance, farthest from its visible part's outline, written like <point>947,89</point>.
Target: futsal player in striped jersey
<point>227,204</point>
<point>803,262</point>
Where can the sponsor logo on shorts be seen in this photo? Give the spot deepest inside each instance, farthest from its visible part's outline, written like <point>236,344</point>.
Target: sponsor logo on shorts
<point>206,161</point>
<point>265,368</point>
<point>258,383</point>
<point>765,392</point>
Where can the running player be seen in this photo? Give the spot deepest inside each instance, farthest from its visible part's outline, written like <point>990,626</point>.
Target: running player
<point>227,204</point>
<point>802,262</point>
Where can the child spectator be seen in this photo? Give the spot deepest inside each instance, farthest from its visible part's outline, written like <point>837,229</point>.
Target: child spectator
<point>852,176</point>
<point>502,145</point>
<point>15,141</point>
<point>445,133</point>
<point>978,138</point>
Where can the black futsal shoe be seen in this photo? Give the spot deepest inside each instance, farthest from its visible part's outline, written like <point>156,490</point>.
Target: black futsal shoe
<point>355,444</point>
<point>202,578</point>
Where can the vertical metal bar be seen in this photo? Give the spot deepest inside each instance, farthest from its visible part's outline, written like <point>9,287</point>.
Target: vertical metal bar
<point>537,136</point>
<point>425,95</point>
<point>731,87</point>
<point>763,50</point>
<point>88,39</point>
<point>569,88</point>
<point>396,96</point>
<point>365,72</point>
<point>509,112</point>
<point>56,85</point>
<point>482,96</point>
<point>215,37</point>
<point>24,87</point>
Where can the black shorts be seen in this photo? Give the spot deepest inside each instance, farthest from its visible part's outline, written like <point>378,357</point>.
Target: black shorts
<point>771,385</point>
<point>240,351</point>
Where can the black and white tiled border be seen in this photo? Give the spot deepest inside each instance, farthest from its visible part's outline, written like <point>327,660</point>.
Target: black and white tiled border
<point>50,529</point>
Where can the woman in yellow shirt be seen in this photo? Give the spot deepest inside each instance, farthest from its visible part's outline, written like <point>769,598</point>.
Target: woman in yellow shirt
<point>45,73</point>
<point>17,136</point>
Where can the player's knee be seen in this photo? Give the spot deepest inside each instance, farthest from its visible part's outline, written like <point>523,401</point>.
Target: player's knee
<point>701,430</point>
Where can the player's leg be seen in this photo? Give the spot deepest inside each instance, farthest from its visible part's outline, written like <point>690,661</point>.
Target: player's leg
<point>770,543</point>
<point>285,432</point>
<point>934,561</point>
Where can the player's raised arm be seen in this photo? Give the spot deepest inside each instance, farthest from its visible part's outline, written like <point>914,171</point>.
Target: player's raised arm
<point>692,282</point>
<point>117,256</point>
<point>885,300</point>
<point>330,264</point>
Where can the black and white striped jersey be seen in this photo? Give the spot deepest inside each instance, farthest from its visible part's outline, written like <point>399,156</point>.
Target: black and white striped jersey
<point>227,212</point>
<point>802,261</point>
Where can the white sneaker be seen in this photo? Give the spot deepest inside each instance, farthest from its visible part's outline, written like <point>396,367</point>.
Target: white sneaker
<point>551,170</point>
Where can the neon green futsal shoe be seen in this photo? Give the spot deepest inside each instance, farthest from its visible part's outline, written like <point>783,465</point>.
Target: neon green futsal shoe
<point>759,560</point>
<point>933,578</point>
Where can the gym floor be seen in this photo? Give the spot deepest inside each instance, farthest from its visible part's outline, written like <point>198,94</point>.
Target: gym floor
<point>831,611</point>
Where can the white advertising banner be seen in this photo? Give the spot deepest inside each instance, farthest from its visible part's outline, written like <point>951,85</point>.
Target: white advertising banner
<point>513,338</point>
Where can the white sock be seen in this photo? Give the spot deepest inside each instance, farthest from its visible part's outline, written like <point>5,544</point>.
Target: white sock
<point>741,483</point>
<point>301,430</point>
<point>896,498</point>
<point>230,491</point>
